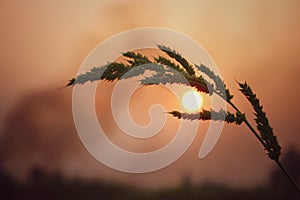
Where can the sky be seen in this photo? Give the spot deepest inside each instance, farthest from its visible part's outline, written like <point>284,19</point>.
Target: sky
<point>43,43</point>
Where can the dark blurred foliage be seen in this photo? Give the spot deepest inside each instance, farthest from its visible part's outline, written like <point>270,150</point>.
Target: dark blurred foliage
<point>42,185</point>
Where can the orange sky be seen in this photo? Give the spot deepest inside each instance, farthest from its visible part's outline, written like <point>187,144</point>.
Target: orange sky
<point>44,42</point>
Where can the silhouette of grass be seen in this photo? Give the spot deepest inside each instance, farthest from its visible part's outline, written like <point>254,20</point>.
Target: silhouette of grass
<point>215,85</point>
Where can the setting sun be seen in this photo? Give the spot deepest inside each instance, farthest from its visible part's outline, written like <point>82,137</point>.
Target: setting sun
<point>191,100</point>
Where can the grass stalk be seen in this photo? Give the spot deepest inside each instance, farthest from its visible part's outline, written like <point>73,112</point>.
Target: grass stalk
<point>290,178</point>
<point>116,71</point>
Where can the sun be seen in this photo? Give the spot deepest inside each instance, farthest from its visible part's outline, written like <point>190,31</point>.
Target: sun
<point>192,100</point>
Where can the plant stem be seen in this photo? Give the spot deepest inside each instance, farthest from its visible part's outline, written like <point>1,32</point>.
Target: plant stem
<point>246,121</point>
<point>248,124</point>
<point>292,181</point>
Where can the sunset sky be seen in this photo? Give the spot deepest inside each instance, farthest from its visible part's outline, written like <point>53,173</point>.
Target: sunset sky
<point>43,43</point>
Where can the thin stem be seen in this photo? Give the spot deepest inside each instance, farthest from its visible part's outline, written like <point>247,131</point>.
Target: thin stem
<point>245,120</point>
<point>293,182</point>
<point>248,124</point>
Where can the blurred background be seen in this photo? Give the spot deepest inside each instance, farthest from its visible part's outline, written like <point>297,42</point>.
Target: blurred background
<point>43,43</point>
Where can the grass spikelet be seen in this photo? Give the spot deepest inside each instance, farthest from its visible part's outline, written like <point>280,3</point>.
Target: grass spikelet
<point>167,62</point>
<point>173,54</point>
<point>137,58</point>
<point>262,123</point>
<point>210,115</point>
<point>220,86</point>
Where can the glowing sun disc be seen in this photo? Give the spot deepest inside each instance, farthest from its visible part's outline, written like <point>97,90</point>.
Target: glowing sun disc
<point>191,100</point>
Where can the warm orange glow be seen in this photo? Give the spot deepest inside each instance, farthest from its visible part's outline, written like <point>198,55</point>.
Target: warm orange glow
<point>254,41</point>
